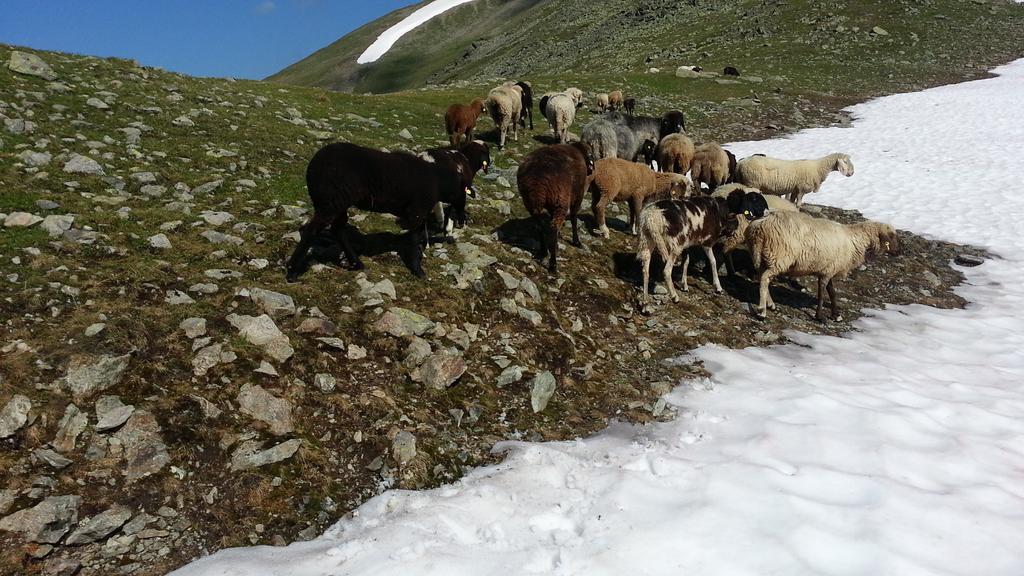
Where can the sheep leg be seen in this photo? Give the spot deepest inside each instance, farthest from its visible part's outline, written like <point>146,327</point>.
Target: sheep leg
<point>762,306</point>
<point>667,273</point>
<point>556,224</point>
<point>541,236</point>
<point>575,230</point>
<point>710,251</point>
<point>831,286</point>
<point>307,233</point>
<point>598,209</point>
<point>338,229</point>
<point>821,297</point>
<point>645,260</point>
<point>730,266</point>
<point>686,272</point>
<point>635,204</point>
<point>417,239</point>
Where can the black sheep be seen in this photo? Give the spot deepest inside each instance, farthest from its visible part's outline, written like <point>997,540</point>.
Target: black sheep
<point>527,103</point>
<point>343,175</point>
<point>469,159</point>
<point>730,71</point>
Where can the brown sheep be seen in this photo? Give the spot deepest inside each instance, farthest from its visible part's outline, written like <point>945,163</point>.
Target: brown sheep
<point>552,181</point>
<point>615,99</point>
<point>460,120</point>
<point>618,179</point>
<point>711,165</point>
<point>675,153</point>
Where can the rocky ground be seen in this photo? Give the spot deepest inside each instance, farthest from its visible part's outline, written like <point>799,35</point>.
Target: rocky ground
<point>164,393</point>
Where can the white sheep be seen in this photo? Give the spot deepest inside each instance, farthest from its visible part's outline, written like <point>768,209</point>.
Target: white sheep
<point>561,112</point>
<point>796,244</point>
<point>794,178</point>
<point>505,104</point>
<point>736,239</point>
<point>602,102</point>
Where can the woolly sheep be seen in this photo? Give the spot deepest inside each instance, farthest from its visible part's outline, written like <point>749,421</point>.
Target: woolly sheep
<point>505,103</point>
<point>615,99</point>
<point>621,136</point>
<point>736,238</point>
<point>618,179</point>
<point>561,112</point>
<point>675,153</point>
<point>460,120</point>
<point>711,166</point>
<point>602,101</point>
<point>796,244</point>
<point>791,177</point>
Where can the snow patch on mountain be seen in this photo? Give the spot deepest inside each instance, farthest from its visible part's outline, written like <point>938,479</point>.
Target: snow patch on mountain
<point>385,41</point>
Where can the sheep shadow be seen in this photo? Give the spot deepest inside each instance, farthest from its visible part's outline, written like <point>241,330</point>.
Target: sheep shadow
<point>325,248</point>
<point>519,233</point>
<point>545,138</point>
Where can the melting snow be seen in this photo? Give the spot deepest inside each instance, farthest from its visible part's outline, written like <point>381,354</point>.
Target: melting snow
<point>898,450</point>
<point>386,40</point>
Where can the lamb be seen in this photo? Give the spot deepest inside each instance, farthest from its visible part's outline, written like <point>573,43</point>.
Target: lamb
<point>618,179</point>
<point>736,238</point>
<point>630,105</point>
<point>602,102</point>
<point>675,153</point>
<point>552,181</point>
<point>615,99</point>
<point>342,175</point>
<point>620,136</point>
<point>466,162</point>
<point>505,103</point>
<point>460,120</point>
<point>793,177</point>
<point>796,244</point>
<point>670,227</point>
<point>711,165</point>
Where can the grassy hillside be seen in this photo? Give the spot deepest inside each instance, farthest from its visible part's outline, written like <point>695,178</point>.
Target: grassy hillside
<point>526,38</point>
<point>216,167</point>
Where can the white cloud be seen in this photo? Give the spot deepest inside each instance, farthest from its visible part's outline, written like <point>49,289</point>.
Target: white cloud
<point>265,7</point>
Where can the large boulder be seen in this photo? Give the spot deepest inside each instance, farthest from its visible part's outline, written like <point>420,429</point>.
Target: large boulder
<point>30,65</point>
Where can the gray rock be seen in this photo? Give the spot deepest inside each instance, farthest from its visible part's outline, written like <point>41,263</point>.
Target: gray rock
<point>441,369</point>
<point>273,303</point>
<point>405,134</point>
<point>325,382</point>
<point>369,289</point>
<point>529,315</point>
<point>35,159</point>
<point>177,298</point>
<point>249,456</point>
<point>144,450</point>
<point>193,327</point>
<point>97,103</point>
<point>317,326</point>
<point>14,415</point>
<point>261,331</point>
<point>400,322</point>
<point>30,65</point>
<point>355,352</point>
<point>209,409</point>
<point>57,224</point>
<point>84,378</point>
<point>21,220</point>
<point>46,522</point>
<point>403,447</point>
<point>215,237</point>
<point>61,566</point>
<point>969,260</point>
<point>931,278</point>
<point>8,497</point>
<point>111,413</point>
<point>47,204</point>
<point>153,190</point>
<point>276,412</point>
<point>144,177</point>
<point>79,164</point>
<point>879,31</point>
<point>183,122</point>
<point>99,526</point>
<point>511,282</point>
<point>207,188</point>
<point>510,375</point>
<point>216,218</point>
<point>527,285</point>
<point>159,241</point>
<point>71,425</point>
<point>542,390</point>
<point>211,356</point>
<point>51,458</point>
<point>416,352</point>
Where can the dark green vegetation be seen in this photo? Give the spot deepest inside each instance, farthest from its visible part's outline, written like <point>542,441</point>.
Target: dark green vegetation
<point>257,138</point>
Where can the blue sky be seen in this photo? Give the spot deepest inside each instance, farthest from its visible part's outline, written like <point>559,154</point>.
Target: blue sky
<point>240,38</point>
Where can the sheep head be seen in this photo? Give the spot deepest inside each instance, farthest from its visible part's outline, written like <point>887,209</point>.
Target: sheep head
<point>843,165</point>
<point>672,122</point>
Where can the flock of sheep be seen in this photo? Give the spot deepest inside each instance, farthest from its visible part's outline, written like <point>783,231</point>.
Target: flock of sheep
<point>648,162</point>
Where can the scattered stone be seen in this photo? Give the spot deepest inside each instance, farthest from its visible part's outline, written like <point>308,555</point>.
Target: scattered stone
<point>159,241</point>
<point>207,188</point>
<point>208,408</point>
<point>400,322</point>
<point>325,382</point>
<point>317,326</point>
<point>46,522</point>
<point>153,190</point>
<point>99,526</point>
<point>211,356</point>
<point>511,282</point>
<point>97,103</point>
<point>368,289</point>
<point>215,237</point>
<point>71,425</point>
<point>355,352</point>
<point>193,327</point>
<point>336,343</point>
<point>14,415</point>
<point>416,352</point>
<point>686,72</point>
<point>403,447</point>
<point>178,298</point>
<point>542,390</point>
<point>266,368</point>
<point>21,220</point>
<point>51,458</point>
<point>529,315</point>
<point>441,369</point>
<point>111,413</point>
<point>57,224</point>
<point>273,303</point>
<point>405,134</point>
<point>183,122</point>
<point>34,159</point>
<point>216,218</point>
<point>276,412</point>
<point>969,260</point>
<point>510,375</point>
<point>261,331</point>
<point>84,378</point>
<point>249,456</point>
<point>144,450</point>
<point>79,164</point>
<point>879,31</point>
<point>30,65</point>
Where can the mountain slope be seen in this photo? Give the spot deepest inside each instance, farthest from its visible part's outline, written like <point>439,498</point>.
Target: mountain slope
<point>506,38</point>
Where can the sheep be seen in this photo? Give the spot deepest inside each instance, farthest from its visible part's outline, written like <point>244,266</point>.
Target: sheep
<point>736,238</point>
<point>648,151</point>
<point>505,103</point>
<point>461,119</point>
<point>577,96</point>
<point>542,104</point>
<point>342,175</point>
<point>730,71</point>
<point>618,179</point>
<point>621,136</point>
<point>615,99</point>
<point>630,105</point>
<point>561,111</point>
<point>796,244</point>
<point>602,102</point>
<point>793,177</point>
<point>527,112</point>
<point>670,227</point>
<point>675,153</point>
<point>466,161</point>
<point>552,181</point>
<point>711,165</point>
